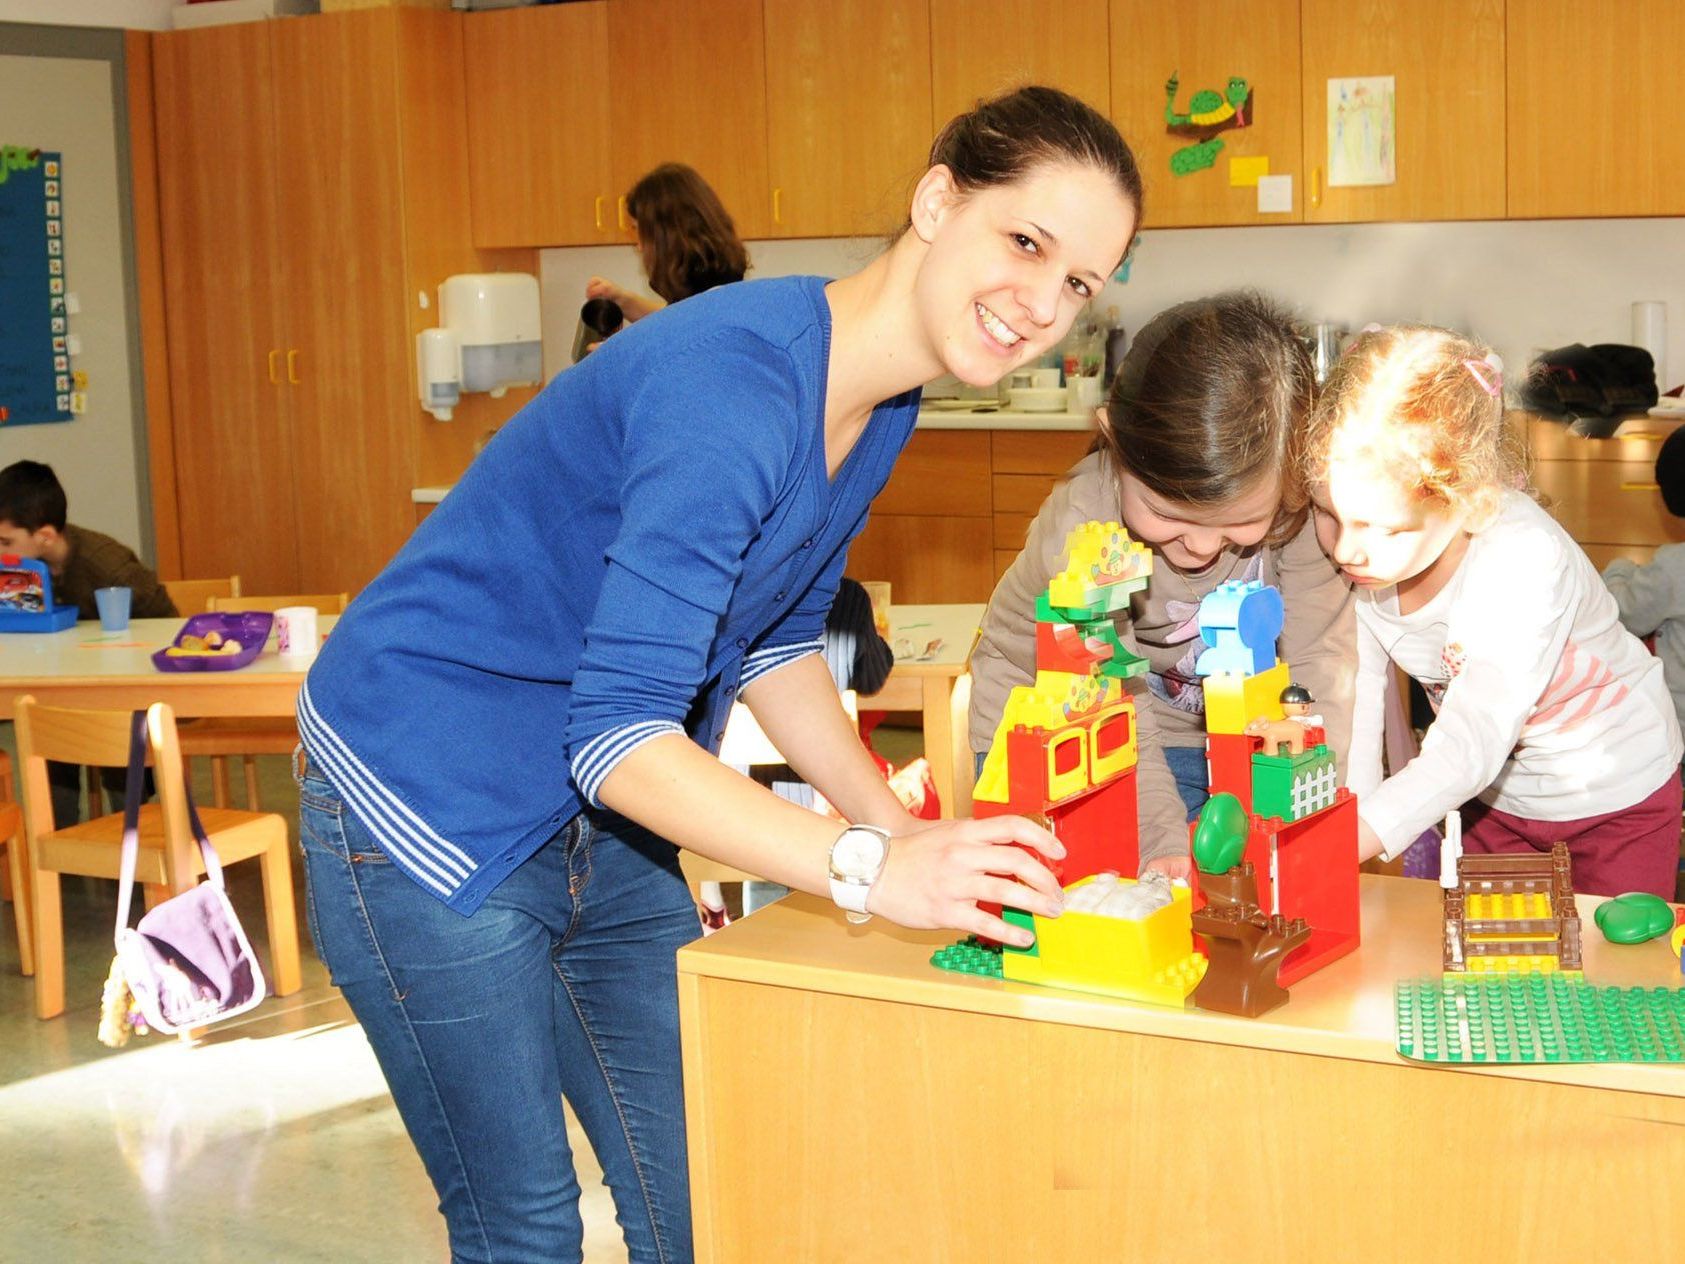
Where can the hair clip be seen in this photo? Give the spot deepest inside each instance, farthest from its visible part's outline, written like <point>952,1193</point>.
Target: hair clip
<point>1487,374</point>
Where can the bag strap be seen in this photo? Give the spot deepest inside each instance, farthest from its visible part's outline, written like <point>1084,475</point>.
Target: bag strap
<point>133,787</point>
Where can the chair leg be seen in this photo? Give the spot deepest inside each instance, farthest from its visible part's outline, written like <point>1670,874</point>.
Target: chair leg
<point>49,943</point>
<point>96,793</point>
<point>219,780</point>
<point>20,909</point>
<point>251,783</point>
<point>281,914</point>
<point>153,894</point>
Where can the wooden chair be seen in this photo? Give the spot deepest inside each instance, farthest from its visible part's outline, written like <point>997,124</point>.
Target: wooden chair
<point>218,738</point>
<point>193,596</point>
<point>16,883</point>
<point>169,857</point>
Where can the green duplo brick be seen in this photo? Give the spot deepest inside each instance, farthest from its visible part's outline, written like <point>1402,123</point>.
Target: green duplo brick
<point>1531,1017</point>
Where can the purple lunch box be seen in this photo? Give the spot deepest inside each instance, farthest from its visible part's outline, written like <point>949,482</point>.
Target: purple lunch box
<point>250,628</point>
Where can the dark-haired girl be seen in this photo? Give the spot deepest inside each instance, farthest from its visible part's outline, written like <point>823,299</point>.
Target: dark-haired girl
<point>1195,458</point>
<point>686,240</point>
<point>512,728</point>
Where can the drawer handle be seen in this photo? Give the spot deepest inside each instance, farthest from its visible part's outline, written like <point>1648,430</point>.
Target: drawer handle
<point>1641,487</point>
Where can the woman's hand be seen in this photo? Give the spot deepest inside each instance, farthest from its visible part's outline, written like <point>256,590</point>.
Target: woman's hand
<point>934,878</point>
<point>599,287</point>
<point>1176,868</point>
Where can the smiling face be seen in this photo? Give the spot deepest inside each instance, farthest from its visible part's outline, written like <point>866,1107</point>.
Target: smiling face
<point>1380,533</point>
<point>1009,266</point>
<point>1192,537</point>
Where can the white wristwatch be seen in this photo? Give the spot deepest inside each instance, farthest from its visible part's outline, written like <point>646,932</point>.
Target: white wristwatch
<point>857,858</point>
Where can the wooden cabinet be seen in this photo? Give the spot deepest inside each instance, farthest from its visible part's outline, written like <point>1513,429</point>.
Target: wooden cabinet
<point>843,158</point>
<point>979,48</point>
<point>1588,130</point>
<point>539,104</point>
<point>1447,61</point>
<point>1603,491</point>
<point>300,209</point>
<point>1204,46</point>
<point>690,86</point>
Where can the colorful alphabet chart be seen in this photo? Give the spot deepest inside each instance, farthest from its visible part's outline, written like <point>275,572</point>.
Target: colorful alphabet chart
<point>36,381</point>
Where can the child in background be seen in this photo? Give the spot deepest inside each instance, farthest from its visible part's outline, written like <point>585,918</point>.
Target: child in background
<point>1651,598</point>
<point>33,512</point>
<point>1194,458</point>
<point>1548,712</point>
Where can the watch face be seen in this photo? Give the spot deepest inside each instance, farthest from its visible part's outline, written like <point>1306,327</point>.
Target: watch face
<point>858,854</point>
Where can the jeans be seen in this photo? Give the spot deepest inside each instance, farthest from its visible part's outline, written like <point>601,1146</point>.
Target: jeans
<point>562,984</point>
<point>1193,778</point>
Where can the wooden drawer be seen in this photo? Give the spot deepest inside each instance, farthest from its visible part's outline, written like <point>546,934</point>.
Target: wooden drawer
<point>942,473</point>
<point>1637,439</point>
<point>1602,554</point>
<point>1608,502</point>
<point>1022,493</point>
<point>1039,451</point>
<point>926,559</point>
<point>1011,530</point>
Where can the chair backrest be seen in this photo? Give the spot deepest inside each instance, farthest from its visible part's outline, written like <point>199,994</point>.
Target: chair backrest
<point>325,603</point>
<point>193,596</point>
<point>101,738</point>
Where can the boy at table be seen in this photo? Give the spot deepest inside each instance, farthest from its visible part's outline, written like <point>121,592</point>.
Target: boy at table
<point>33,513</point>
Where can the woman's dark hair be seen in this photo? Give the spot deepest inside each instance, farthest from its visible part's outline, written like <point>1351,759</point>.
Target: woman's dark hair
<point>31,496</point>
<point>1003,138</point>
<point>1211,398</point>
<point>688,241</point>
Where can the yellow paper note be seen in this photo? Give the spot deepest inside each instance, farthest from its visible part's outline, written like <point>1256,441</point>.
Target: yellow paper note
<point>1244,172</point>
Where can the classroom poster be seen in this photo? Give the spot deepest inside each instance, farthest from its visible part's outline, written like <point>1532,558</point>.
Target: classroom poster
<point>35,373</point>
<point>1361,141</point>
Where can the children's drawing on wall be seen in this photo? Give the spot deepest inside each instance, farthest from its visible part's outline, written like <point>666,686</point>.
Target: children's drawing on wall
<point>1209,112</point>
<point>36,382</point>
<point>1361,140</point>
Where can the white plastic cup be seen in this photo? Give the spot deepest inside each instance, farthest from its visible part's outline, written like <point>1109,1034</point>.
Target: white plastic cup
<point>1044,379</point>
<point>295,632</point>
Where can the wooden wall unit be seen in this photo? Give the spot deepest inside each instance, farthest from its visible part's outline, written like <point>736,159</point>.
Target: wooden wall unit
<point>1447,59</point>
<point>538,111</point>
<point>1603,491</point>
<point>1583,132</point>
<point>1203,45</point>
<point>979,48</point>
<point>843,161</point>
<point>301,206</point>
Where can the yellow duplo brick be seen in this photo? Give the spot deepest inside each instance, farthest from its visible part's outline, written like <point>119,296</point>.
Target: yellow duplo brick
<point>1233,702</point>
<point>1147,960</point>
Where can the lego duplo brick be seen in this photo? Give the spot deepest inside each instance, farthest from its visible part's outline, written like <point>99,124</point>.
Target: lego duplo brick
<point>1292,787</point>
<point>1316,865</point>
<point>1228,764</point>
<point>1233,702</point>
<point>1098,829</point>
<point>1532,1018</point>
<point>1103,567</point>
<point>1239,621</point>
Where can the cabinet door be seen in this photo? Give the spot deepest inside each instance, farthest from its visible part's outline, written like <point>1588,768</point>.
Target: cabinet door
<point>979,48</point>
<point>690,87</point>
<point>1205,46</point>
<point>215,106</point>
<point>538,126</point>
<point>1447,61</point>
<point>843,161</point>
<point>1588,129</point>
<point>348,348</point>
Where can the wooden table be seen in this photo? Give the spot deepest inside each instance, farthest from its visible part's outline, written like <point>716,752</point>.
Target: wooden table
<point>848,1101</point>
<point>935,683</point>
<point>85,666</point>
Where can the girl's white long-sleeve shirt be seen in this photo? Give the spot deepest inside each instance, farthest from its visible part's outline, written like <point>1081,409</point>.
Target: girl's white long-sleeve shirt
<point>1546,707</point>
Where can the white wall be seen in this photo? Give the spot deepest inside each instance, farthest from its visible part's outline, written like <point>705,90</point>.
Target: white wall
<point>1518,285</point>
<point>65,104</point>
<point>150,15</point>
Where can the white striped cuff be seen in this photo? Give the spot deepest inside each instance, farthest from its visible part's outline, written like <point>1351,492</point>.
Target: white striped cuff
<point>772,658</point>
<point>597,758</point>
<point>411,843</point>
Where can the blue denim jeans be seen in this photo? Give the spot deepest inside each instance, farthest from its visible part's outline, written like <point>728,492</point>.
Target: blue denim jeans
<point>562,984</point>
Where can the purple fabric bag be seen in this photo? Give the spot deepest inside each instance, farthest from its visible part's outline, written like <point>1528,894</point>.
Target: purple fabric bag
<point>188,961</point>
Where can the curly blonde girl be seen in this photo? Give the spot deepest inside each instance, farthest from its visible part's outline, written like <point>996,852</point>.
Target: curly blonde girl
<point>1426,406</point>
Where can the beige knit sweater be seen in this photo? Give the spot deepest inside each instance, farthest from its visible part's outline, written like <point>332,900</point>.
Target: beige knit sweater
<point>1317,641</point>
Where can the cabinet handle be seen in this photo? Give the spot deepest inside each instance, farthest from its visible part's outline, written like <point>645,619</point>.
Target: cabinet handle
<point>274,377</point>
<point>597,210</point>
<point>292,367</point>
<point>778,206</point>
<point>1316,186</point>
<point>620,212</point>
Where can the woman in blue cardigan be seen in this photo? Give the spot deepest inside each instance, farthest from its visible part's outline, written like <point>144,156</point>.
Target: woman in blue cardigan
<point>513,726</point>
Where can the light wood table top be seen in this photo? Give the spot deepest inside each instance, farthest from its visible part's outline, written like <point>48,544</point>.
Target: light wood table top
<point>1343,1011</point>
<point>87,666</point>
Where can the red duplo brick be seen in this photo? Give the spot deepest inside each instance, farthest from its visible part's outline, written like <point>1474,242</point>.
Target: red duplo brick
<point>1317,862</point>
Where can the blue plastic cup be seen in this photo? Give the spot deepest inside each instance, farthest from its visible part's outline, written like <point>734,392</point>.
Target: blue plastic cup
<point>113,606</point>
